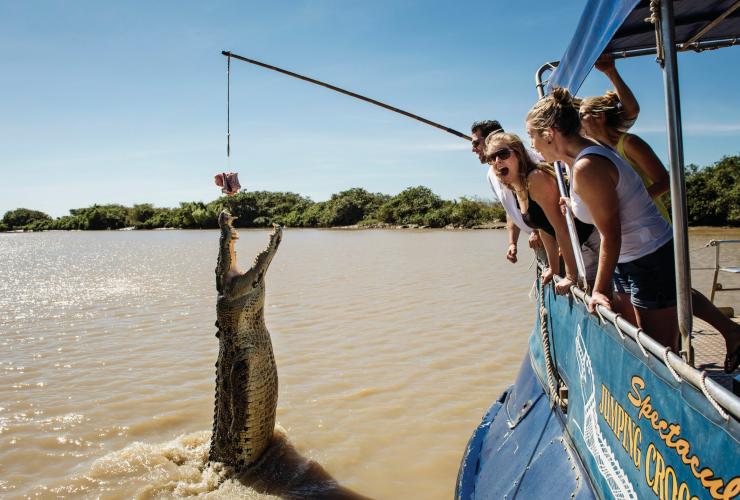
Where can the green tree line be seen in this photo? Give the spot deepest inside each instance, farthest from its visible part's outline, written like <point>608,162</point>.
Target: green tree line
<point>713,195</point>
<point>413,206</point>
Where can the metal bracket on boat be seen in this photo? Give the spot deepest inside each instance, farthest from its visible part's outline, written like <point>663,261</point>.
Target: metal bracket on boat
<point>668,365</point>
<point>526,407</point>
<point>563,393</point>
<point>703,384</point>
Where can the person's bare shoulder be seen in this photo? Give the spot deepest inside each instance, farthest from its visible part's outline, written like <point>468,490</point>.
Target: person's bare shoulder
<point>592,168</point>
<point>539,180</point>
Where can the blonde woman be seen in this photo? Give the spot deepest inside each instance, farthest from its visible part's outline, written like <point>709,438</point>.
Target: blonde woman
<point>603,119</point>
<point>636,241</point>
<point>537,198</point>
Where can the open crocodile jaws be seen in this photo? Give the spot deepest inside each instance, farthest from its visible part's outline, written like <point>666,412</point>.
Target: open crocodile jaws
<point>246,375</point>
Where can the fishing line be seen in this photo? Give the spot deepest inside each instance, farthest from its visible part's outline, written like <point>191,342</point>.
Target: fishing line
<point>228,181</point>
<point>228,110</point>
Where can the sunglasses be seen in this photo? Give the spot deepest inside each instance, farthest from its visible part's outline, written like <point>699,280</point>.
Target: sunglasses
<point>501,154</point>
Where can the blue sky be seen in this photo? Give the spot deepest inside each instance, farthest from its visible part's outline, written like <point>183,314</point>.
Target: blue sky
<point>124,102</point>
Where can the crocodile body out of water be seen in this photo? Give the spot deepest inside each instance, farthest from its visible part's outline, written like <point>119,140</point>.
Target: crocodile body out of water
<point>246,374</point>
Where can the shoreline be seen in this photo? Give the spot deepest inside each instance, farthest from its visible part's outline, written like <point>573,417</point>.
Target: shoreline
<point>355,227</point>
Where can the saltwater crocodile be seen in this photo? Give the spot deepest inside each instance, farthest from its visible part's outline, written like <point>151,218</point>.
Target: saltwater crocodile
<point>246,375</point>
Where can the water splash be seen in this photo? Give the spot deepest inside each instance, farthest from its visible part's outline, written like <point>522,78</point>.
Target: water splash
<point>180,468</point>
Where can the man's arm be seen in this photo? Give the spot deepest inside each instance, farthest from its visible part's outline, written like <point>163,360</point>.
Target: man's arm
<point>630,106</point>
<point>513,231</point>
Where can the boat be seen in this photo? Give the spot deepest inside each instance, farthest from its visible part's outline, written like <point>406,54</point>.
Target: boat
<point>599,409</point>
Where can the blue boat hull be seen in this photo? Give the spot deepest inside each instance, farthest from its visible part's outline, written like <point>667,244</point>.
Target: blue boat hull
<point>520,449</point>
<point>630,430</point>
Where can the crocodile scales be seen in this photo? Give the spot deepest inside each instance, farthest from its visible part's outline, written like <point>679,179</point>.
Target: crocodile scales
<point>246,374</point>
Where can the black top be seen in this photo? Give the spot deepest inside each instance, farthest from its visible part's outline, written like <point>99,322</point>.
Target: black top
<point>537,219</point>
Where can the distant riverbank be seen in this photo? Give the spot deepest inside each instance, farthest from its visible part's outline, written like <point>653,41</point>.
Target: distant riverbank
<point>354,227</point>
<point>712,193</point>
<point>415,207</point>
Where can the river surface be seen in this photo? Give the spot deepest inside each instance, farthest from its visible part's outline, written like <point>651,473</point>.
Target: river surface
<point>390,346</point>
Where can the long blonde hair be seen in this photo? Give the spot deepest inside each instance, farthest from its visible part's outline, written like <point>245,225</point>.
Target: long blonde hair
<point>608,104</point>
<point>526,164</point>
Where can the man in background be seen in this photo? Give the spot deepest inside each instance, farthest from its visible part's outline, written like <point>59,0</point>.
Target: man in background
<point>514,222</point>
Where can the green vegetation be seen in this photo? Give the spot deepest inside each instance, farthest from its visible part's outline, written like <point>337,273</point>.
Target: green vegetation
<point>31,220</point>
<point>713,194</point>
<point>414,206</point>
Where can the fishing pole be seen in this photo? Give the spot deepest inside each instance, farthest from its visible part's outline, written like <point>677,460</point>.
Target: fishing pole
<point>346,92</point>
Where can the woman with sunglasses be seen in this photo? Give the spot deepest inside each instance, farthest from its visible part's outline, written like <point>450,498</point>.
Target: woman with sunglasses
<point>602,119</point>
<point>635,238</point>
<point>537,198</point>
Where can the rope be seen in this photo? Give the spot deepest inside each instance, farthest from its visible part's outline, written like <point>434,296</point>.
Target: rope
<point>228,107</point>
<point>598,313</point>
<point>637,339</point>
<point>703,384</point>
<point>553,378</point>
<point>668,365</point>
<point>655,20</point>
<point>616,325</point>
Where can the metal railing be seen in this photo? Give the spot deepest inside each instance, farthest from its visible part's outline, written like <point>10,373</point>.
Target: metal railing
<point>723,400</point>
<point>717,287</point>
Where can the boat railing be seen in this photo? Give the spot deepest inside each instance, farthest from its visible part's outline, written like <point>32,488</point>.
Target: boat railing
<point>723,400</point>
<point>716,286</point>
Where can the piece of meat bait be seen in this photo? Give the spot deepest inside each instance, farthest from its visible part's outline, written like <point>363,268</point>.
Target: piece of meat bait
<point>229,183</point>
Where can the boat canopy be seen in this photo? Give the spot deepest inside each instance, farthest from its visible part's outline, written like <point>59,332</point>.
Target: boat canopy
<point>623,28</point>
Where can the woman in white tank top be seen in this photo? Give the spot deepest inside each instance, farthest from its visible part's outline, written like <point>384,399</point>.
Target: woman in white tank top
<point>605,119</point>
<point>635,238</point>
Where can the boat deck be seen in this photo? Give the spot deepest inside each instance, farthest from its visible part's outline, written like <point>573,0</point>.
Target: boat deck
<point>709,351</point>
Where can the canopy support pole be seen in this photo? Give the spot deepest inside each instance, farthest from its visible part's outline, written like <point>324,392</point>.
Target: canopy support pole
<point>678,186</point>
<point>575,243</point>
<point>572,232</point>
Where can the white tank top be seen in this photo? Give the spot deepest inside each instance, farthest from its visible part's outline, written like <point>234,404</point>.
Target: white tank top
<point>644,230</point>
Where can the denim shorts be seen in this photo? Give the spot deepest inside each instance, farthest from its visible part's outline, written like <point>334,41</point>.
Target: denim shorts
<point>650,280</point>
